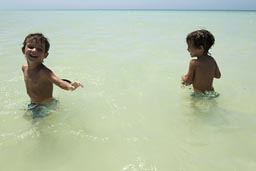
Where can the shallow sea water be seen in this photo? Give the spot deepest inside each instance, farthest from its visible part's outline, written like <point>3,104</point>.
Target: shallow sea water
<point>132,114</point>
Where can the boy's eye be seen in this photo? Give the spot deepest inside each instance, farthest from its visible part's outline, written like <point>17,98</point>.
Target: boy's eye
<point>39,49</point>
<point>30,47</point>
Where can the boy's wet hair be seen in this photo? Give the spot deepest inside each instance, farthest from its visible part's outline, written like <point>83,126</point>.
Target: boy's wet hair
<point>39,37</point>
<point>201,38</point>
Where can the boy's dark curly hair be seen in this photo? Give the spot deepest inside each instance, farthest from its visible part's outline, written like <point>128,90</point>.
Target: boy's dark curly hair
<point>39,37</point>
<point>201,38</point>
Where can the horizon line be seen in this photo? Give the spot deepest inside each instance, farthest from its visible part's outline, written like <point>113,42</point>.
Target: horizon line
<point>119,9</point>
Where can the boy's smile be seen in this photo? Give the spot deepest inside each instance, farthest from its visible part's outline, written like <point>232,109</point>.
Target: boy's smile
<point>33,55</point>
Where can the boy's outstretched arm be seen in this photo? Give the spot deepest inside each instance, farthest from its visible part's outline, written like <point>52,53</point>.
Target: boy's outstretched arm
<point>67,85</point>
<point>64,84</point>
<point>74,85</point>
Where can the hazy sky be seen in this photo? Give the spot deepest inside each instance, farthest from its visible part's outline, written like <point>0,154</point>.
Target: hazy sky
<point>129,4</point>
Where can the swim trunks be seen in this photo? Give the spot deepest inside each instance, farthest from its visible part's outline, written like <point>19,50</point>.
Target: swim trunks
<point>207,94</point>
<point>42,110</point>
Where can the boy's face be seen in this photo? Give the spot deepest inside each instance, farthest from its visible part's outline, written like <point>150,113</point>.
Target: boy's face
<point>195,52</point>
<point>35,50</point>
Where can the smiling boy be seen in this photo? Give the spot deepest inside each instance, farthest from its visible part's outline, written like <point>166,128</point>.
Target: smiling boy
<point>38,78</point>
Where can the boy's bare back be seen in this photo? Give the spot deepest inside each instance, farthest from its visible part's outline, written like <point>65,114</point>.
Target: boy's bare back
<point>201,73</point>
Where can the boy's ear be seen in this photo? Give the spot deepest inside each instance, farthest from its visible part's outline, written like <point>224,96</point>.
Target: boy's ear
<point>23,50</point>
<point>201,47</point>
<point>46,54</point>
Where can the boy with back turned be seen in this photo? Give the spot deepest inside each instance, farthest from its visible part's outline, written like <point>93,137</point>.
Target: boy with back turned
<point>204,69</point>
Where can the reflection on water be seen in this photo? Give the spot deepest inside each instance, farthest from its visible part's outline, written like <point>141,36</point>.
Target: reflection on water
<point>139,165</point>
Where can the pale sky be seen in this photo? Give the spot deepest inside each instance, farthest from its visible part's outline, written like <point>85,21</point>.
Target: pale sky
<point>129,4</point>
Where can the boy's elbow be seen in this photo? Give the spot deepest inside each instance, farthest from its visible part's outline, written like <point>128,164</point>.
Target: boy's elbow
<point>184,77</point>
<point>186,80</point>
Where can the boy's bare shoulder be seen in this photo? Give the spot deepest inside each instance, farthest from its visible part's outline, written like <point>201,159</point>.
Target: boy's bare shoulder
<point>193,61</point>
<point>45,70</point>
<point>211,58</point>
<point>24,67</point>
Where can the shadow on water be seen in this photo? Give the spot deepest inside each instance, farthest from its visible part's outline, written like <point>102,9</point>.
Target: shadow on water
<point>207,110</point>
<point>201,105</point>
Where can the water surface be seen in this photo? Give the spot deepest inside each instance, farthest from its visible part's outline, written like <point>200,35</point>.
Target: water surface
<point>132,113</point>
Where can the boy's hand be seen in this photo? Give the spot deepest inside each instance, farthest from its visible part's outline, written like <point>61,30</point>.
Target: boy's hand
<point>75,85</point>
<point>183,80</point>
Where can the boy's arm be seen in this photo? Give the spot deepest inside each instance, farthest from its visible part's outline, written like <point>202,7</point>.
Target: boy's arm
<point>23,67</point>
<point>217,71</point>
<point>188,78</point>
<point>63,84</point>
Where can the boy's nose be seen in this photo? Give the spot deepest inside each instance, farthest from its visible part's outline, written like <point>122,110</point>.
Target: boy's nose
<point>33,50</point>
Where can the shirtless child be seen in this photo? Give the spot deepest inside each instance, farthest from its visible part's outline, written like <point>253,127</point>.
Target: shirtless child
<point>204,69</point>
<point>38,78</point>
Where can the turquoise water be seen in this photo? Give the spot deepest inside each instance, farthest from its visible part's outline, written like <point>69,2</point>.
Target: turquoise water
<point>132,114</point>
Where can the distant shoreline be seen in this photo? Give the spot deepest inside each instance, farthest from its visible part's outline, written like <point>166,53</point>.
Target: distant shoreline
<point>217,10</point>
